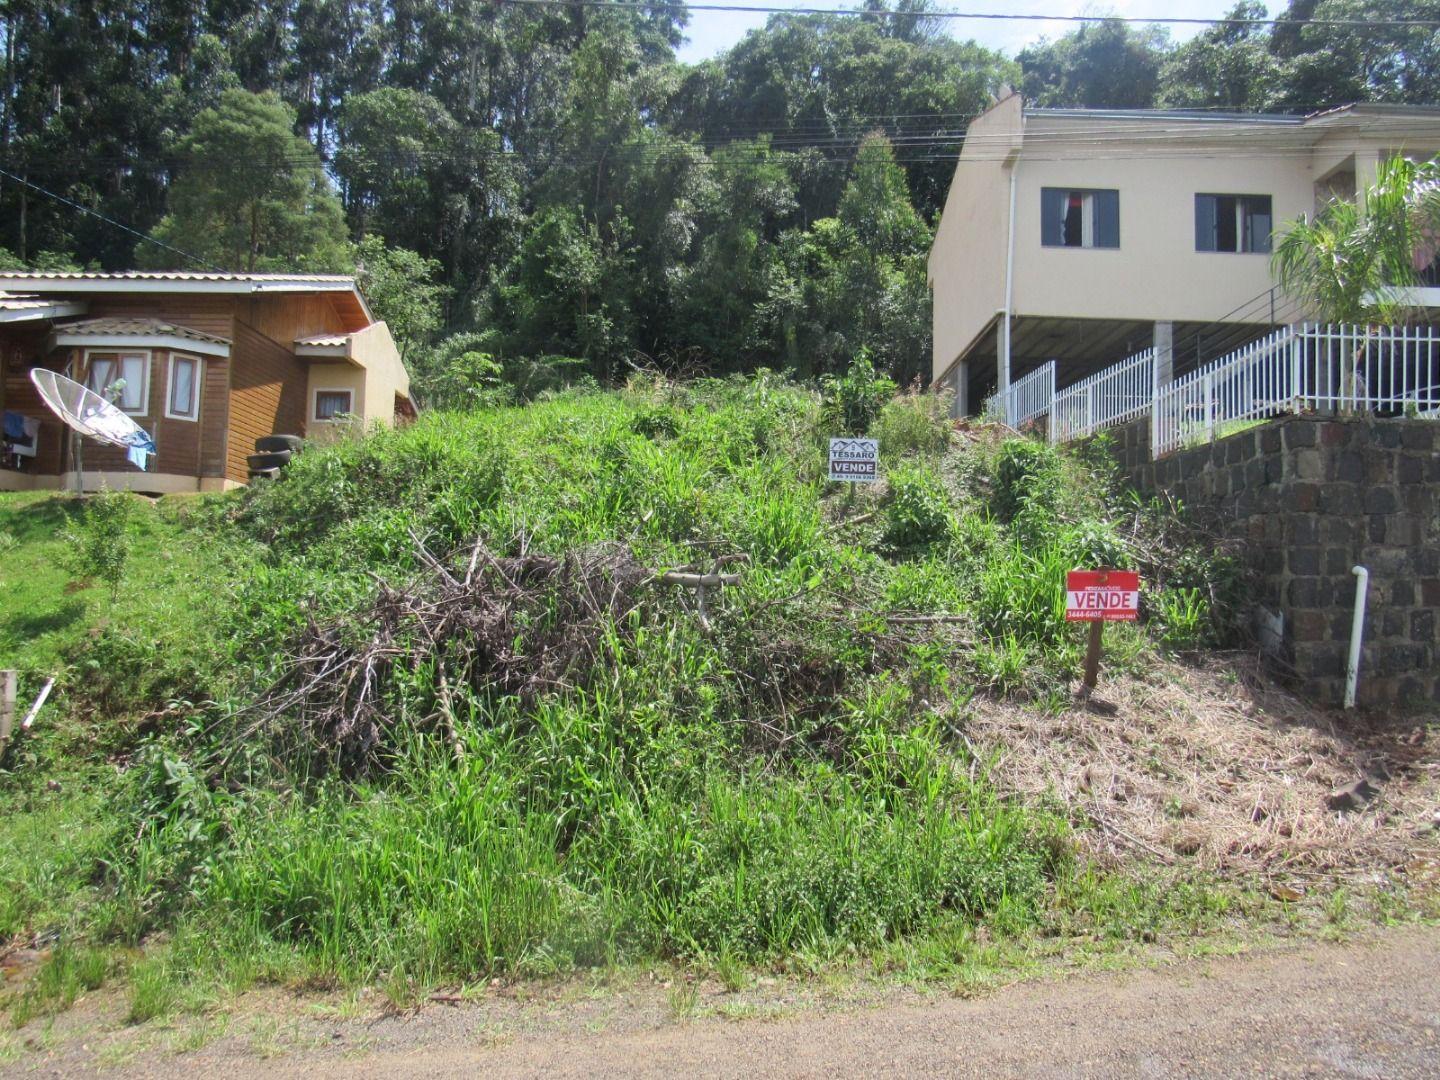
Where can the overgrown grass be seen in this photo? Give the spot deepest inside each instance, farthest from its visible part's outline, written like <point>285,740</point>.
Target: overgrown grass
<point>793,782</point>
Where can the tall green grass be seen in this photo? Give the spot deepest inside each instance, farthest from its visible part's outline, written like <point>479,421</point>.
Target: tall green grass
<point>793,781</point>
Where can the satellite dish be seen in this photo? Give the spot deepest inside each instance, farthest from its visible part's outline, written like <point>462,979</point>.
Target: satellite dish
<point>89,413</point>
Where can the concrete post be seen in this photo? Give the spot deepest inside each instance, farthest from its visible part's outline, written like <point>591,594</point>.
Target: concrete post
<point>960,383</point>
<point>1164,363</point>
<point>1162,374</point>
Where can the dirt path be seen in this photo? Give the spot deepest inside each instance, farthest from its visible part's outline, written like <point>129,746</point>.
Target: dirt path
<point>1362,1009</point>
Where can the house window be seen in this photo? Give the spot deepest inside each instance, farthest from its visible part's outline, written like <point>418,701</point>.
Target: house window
<point>1079,218</point>
<point>182,400</point>
<point>332,403</point>
<point>123,378</point>
<point>1232,223</point>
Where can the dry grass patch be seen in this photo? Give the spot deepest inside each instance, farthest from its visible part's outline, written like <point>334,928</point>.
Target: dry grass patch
<point>1210,762</point>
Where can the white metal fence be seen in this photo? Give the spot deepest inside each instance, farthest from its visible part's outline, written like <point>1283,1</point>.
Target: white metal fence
<point>1305,368</point>
<point>1250,383</point>
<point>1029,397</point>
<point>1107,398</point>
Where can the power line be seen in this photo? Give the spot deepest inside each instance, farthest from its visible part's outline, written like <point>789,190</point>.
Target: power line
<point>110,221</point>
<point>1140,137</point>
<point>980,16</point>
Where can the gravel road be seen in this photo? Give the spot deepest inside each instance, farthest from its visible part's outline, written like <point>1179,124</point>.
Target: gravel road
<point>1366,1008</point>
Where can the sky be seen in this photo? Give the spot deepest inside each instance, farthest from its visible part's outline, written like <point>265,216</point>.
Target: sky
<point>712,32</point>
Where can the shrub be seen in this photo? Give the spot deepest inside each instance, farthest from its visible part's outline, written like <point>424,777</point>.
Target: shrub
<point>917,512</point>
<point>853,401</point>
<point>1029,478</point>
<point>98,546</point>
<point>914,423</point>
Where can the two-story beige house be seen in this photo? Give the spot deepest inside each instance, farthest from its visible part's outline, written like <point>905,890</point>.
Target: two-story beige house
<point>1085,236</point>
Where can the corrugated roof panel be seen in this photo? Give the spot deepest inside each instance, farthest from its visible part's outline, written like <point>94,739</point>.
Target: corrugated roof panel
<point>118,327</point>
<point>173,275</point>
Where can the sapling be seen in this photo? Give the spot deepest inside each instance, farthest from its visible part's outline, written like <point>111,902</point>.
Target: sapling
<point>98,545</point>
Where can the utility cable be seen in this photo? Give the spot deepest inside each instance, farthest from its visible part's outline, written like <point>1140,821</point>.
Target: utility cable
<point>111,221</point>
<point>648,8</point>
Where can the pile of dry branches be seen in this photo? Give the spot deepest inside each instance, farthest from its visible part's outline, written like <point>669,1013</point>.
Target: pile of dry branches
<point>521,625</point>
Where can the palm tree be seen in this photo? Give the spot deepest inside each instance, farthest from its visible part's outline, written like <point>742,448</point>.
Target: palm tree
<point>1352,263</point>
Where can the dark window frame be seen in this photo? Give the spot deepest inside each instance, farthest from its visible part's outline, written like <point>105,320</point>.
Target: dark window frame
<point>348,395</point>
<point>1225,223</point>
<point>1061,217</point>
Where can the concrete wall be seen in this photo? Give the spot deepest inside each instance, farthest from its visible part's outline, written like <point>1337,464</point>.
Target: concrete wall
<point>374,375</point>
<point>1313,498</point>
<point>1155,273</point>
<point>385,376</point>
<point>967,259</point>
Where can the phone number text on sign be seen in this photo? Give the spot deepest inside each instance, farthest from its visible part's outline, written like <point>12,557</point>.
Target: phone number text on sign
<point>855,460</point>
<point>1105,595</point>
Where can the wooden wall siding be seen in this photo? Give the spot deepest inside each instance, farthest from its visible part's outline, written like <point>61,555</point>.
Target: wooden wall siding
<point>19,347</point>
<point>267,395</point>
<point>214,415</point>
<point>284,317</point>
<point>211,314</point>
<point>182,447</point>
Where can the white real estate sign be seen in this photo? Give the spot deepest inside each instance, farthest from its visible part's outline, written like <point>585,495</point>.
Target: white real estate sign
<point>855,460</point>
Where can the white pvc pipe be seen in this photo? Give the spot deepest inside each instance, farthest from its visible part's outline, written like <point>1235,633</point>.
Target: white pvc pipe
<point>1004,379</point>
<point>1357,633</point>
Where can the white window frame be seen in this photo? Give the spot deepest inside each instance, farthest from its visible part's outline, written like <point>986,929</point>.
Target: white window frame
<point>195,386</point>
<point>315,416</point>
<point>121,355</point>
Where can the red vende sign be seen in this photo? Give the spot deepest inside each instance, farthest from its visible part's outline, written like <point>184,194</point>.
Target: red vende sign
<point>1108,595</point>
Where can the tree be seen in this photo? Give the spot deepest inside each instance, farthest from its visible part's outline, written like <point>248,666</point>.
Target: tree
<point>251,194</point>
<point>1107,65</point>
<point>568,291</point>
<point>402,290</point>
<point>1229,66</point>
<point>1349,260</point>
<point>1371,60</point>
<point>824,80</point>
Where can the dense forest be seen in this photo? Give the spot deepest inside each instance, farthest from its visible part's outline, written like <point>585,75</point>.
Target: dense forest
<point>536,192</point>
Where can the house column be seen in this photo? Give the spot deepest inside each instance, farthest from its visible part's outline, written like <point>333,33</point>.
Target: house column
<point>960,384</point>
<point>1162,373</point>
<point>1164,360</point>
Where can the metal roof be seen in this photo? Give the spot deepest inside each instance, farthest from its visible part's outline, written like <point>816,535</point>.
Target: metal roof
<point>345,294</point>
<point>22,308</point>
<point>322,340</point>
<point>174,275</point>
<point>132,327</point>
<point>1187,115</point>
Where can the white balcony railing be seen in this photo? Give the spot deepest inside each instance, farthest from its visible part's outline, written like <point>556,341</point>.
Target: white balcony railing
<point>1103,400</point>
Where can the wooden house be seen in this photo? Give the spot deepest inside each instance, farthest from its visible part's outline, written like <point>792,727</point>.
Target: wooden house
<point>206,363</point>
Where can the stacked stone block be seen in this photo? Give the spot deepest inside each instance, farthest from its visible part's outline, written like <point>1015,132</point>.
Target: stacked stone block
<point>1313,498</point>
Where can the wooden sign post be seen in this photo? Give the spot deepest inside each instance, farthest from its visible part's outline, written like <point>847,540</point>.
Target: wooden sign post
<point>1098,597</point>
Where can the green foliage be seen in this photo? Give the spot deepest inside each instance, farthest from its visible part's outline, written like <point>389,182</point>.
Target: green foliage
<point>917,512</point>
<point>914,423</point>
<point>786,781</point>
<point>98,545</point>
<point>1101,65</point>
<point>1182,616</point>
<point>852,401</point>
<point>224,210</point>
<point>401,288</point>
<point>1029,480</point>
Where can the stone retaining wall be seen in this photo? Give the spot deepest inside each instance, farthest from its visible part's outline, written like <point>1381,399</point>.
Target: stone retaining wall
<point>1314,498</point>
